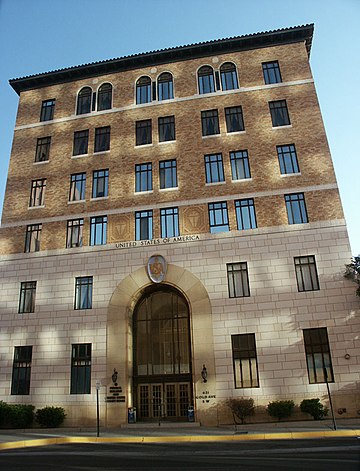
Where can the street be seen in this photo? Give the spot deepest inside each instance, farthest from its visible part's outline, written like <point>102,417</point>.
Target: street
<point>320,454</point>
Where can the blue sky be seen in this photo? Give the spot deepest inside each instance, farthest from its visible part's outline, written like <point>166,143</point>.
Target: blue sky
<point>42,35</point>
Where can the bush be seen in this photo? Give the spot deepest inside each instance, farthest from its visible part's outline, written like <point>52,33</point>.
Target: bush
<point>313,407</point>
<point>16,415</point>
<point>241,407</point>
<point>4,412</point>
<point>280,409</point>
<point>50,416</point>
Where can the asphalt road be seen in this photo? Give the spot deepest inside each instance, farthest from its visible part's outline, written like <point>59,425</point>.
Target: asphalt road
<point>325,454</point>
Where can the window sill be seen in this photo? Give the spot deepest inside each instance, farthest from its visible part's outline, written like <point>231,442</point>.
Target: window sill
<point>215,183</point>
<point>37,207</point>
<point>173,188</point>
<point>211,135</point>
<point>77,201</point>
<point>102,152</point>
<point>282,127</point>
<point>145,192</point>
<point>141,146</point>
<point>99,198</point>
<point>41,162</point>
<point>167,142</point>
<point>295,174</point>
<point>241,180</point>
<point>232,133</point>
<point>79,156</point>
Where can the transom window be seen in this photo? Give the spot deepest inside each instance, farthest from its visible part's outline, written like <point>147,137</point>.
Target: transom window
<point>37,194</point>
<point>229,80</point>
<point>214,170</point>
<point>318,358</point>
<point>102,139</point>
<point>218,217</point>
<point>238,280</point>
<point>279,113</point>
<point>143,177</point>
<point>306,273</point>
<point>81,140</point>
<point>245,361</point>
<point>271,71</point>
<point>210,122</point>
<point>74,233</point>
<point>169,221</point>
<point>166,127</point>
<point>143,225</point>
<point>47,110</point>
<point>143,132</point>
<point>168,177</point>
<point>98,226</point>
<point>245,214</point>
<point>32,238</point>
<point>165,86</point>
<point>287,159</point>
<point>143,90</point>
<point>20,382</point>
<point>80,368</point>
<point>206,80</point>
<point>234,119</point>
<point>84,101</point>
<point>100,183</point>
<point>296,208</point>
<point>83,292</point>
<point>77,187</point>
<point>27,297</point>
<point>42,149</point>
<point>240,168</point>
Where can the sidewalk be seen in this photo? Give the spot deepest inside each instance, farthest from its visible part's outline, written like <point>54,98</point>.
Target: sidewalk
<point>187,432</point>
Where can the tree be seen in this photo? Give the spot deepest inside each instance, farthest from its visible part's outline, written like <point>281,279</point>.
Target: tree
<point>241,408</point>
<point>352,272</point>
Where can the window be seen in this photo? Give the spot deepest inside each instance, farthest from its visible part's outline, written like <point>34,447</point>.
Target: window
<point>84,101</point>
<point>240,168</point>
<point>228,76</point>
<point>245,214</point>
<point>271,71</point>
<point>77,187</point>
<point>32,238</point>
<point>279,113</point>
<point>20,383</point>
<point>234,119</point>
<point>318,357</point>
<point>306,273</point>
<point>143,177</point>
<point>166,127</point>
<point>80,368</point>
<point>143,225</point>
<point>47,110</point>
<point>214,171</point>
<point>245,361</point>
<point>167,170</point>
<point>238,280</point>
<point>74,237</point>
<point>210,122</point>
<point>218,217</point>
<point>104,99</point>
<point>296,209</point>
<point>102,139</point>
<point>37,194</point>
<point>27,297</point>
<point>98,227</point>
<point>42,149</point>
<point>143,132</point>
<point>165,87</point>
<point>100,183</point>
<point>169,220</point>
<point>143,90</point>
<point>81,139</point>
<point>206,80</point>
<point>287,159</point>
<point>83,292</point>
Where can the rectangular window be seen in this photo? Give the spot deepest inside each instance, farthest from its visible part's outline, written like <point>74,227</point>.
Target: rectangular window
<point>271,71</point>
<point>83,292</point>
<point>210,122</point>
<point>100,183</point>
<point>80,368</point>
<point>143,177</point>
<point>169,220</point>
<point>238,280</point>
<point>287,159</point>
<point>167,171</point>
<point>143,225</point>
<point>240,168</point>
<point>98,226</point>
<point>143,132</point>
<point>306,273</point>
<point>20,383</point>
<point>296,208</point>
<point>47,110</point>
<point>279,113</point>
<point>42,149</point>
<point>234,119</point>
<point>218,217</point>
<point>245,214</point>
<point>245,361</point>
<point>214,170</point>
<point>27,297</point>
<point>81,140</point>
<point>77,187</point>
<point>32,238</point>
<point>74,237</point>
<point>102,139</point>
<point>318,358</point>
<point>37,194</point>
<point>166,128</point>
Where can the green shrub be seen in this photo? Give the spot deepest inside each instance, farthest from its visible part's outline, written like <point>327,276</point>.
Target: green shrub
<point>50,416</point>
<point>280,409</point>
<point>313,407</point>
<point>4,413</point>
<point>16,415</point>
<point>241,407</point>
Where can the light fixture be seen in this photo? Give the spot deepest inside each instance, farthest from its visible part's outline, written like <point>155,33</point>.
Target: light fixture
<point>204,374</point>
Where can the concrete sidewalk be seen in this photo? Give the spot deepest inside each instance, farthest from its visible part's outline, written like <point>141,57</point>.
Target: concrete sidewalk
<point>186,432</point>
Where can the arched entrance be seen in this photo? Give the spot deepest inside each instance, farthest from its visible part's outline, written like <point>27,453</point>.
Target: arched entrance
<point>162,369</point>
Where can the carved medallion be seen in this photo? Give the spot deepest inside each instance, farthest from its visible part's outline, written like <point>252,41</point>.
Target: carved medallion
<point>156,268</point>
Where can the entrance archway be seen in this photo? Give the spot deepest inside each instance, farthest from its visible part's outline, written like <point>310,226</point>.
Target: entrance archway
<point>162,376</point>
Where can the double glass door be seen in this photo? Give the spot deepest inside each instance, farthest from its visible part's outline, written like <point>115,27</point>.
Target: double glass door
<point>163,401</point>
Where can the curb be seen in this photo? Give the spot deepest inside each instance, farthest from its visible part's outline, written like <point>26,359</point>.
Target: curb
<point>180,438</point>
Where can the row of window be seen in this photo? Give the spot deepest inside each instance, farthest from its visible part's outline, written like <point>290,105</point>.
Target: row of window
<point>209,81</point>
<point>245,363</point>
<point>169,219</point>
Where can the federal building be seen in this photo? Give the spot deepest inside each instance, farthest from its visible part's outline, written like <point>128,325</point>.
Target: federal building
<point>172,235</point>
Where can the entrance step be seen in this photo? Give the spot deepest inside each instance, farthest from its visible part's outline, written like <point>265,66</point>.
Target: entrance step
<point>156,425</point>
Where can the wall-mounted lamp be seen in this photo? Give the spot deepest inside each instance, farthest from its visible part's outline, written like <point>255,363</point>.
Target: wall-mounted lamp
<point>204,374</point>
<point>114,377</point>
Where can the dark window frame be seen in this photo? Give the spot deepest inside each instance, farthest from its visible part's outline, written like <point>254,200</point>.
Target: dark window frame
<point>144,225</point>
<point>81,142</point>
<point>74,233</point>
<point>206,80</point>
<point>228,76</point>
<point>271,72</point>
<point>210,123</point>
<point>143,177</point>
<point>21,371</point>
<point>143,90</point>
<point>37,193</point>
<point>47,110</point>
<point>169,222</point>
<point>98,230</point>
<point>317,351</point>
<point>214,168</point>
<point>238,280</point>
<point>166,128</point>
<point>240,166</point>
<point>279,113</point>
<point>165,87</point>
<point>287,158</point>
<point>234,119</point>
<point>143,132</point>
<point>80,379</point>
<point>306,273</point>
<point>83,298</point>
<point>75,179</point>
<point>102,139</point>
<point>33,238</point>
<point>296,208</point>
<point>27,297</point>
<point>244,352</point>
<point>245,214</point>
<point>100,183</point>
<point>84,101</point>
<point>218,212</point>
<point>104,97</point>
<point>168,174</point>
<point>42,152</point>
